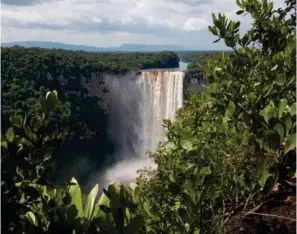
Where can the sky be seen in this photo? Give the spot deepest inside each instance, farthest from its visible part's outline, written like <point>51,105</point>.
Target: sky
<point>105,23</point>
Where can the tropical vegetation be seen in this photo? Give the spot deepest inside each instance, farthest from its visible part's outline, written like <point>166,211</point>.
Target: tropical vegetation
<point>28,73</point>
<point>228,165</point>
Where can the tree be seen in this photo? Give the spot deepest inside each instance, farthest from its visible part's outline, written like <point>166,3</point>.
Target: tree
<point>227,146</point>
<point>34,204</point>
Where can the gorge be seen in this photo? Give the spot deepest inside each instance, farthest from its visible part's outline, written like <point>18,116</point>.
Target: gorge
<point>138,106</point>
<point>112,104</point>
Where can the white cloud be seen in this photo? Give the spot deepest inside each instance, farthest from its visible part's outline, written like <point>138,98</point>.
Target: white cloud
<point>113,22</point>
<point>96,19</point>
<point>195,24</point>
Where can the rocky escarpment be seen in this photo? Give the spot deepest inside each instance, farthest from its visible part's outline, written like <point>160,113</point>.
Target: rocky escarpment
<point>195,80</point>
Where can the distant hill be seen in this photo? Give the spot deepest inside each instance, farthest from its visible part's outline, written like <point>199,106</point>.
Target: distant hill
<point>51,45</point>
<point>123,47</point>
<point>143,47</point>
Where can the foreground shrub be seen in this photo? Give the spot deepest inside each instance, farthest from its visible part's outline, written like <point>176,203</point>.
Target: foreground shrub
<point>227,145</point>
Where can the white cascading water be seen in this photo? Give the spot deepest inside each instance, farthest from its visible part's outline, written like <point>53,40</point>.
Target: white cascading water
<point>163,95</point>
<point>160,96</point>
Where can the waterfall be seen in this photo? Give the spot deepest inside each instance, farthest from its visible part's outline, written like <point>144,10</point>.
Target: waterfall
<point>137,111</point>
<point>163,95</point>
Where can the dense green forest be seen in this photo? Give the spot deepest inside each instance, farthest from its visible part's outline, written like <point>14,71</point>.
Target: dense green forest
<point>190,56</point>
<point>196,58</point>
<point>28,73</point>
<point>229,165</point>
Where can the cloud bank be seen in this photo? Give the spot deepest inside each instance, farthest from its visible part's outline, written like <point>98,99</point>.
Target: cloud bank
<point>114,22</point>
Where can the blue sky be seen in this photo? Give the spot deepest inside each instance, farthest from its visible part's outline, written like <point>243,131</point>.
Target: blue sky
<point>115,22</point>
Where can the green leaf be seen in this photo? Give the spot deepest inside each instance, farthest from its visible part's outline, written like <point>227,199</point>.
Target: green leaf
<point>240,4</point>
<point>49,103</point>
<point>166,122</point>
<point>237,24</point>
<point>26,143</point>
<point>205,171</point>
<point>239,12</point>
<point>270,182</point>
<point>4,144</point>
<point>264,177</point>
<point>271,102</point>
<point>282,107</point>
<point>19,171</point>
<point>280,130</point>
<point>268,113</point>
<point>186,144</point>
<point>215,41</point>
<point>31,218</point>
<point>288,123</point>
<point>214,18</point>
<point>212,88</point>
<point>104,202</point>
<point>290,143</point>
<point>231,107</point>
<point>273,138</point>
<point>217,69</point>
<point>104,208</point>
<point>16,120</point>
<point>146,206</point>
<point>133,185</point>
<point>171,177</point>
<point>213,30</point>
<point>76,199</point>
<point>106,193</point>
<point>272,113</point>
<point>10,135</point>
<point>90,203</point>
<point>274,68</point>
<point>245,40</point>
<point>293,109</point>
<point>280,80</point>
<point>25,120</point>
<point>113,190</point>
<point>220,25</point>
<point>264,114</point>
<point>241,181</point>
<point>44,104</point>
<point>197,231</point>
<point>32,136</point>
<point>52,98</point>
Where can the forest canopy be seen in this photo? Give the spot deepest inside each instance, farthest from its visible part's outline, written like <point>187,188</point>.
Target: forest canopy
<point>28,73</point>
<point>228,165</point>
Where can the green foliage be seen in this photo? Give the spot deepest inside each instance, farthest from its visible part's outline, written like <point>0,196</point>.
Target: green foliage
<point>271,88</point>
<point>35,205</point>
<point>28,73</point>
<point>194,57</point>
<point>222,155</point>
<point>203,58</point>
<point>29,148</point>
<point>224,145</point>
<point>215,165</point>
<point>76,197</point>
<point>27,168</point>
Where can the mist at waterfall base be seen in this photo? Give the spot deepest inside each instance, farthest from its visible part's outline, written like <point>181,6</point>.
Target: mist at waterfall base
<point>137,106</point>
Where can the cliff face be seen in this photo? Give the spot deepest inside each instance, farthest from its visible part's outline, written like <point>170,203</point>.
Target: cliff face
<point>99,85</point>
<point>195,80</point>
<point>81,80</point>
<point>95,98</point>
